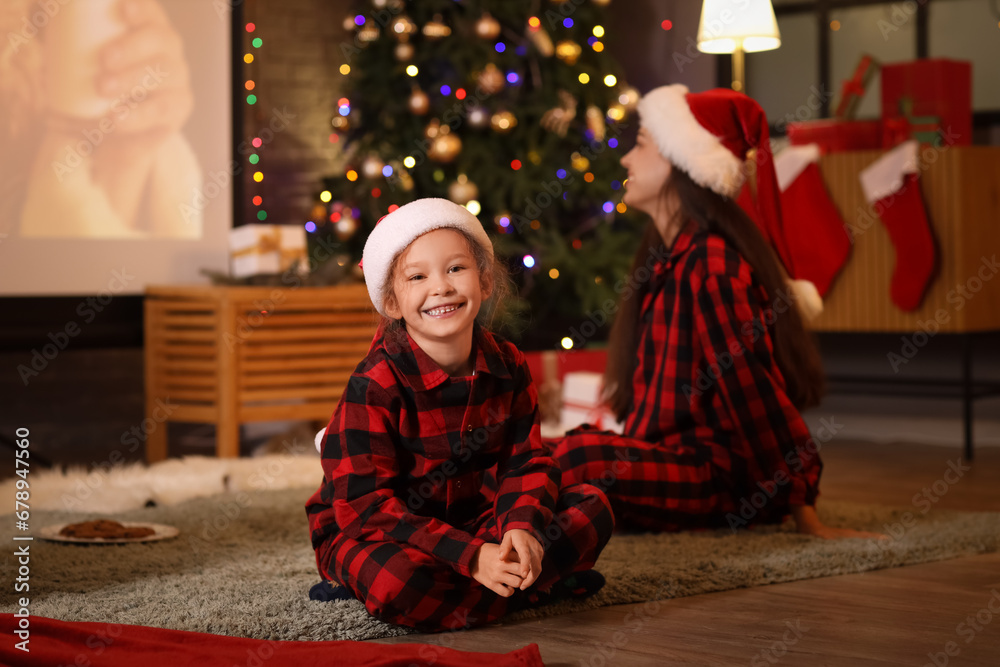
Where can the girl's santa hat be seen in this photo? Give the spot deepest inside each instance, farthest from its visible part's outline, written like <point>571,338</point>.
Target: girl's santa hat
<point>710,135</point>
<point>397,230</point>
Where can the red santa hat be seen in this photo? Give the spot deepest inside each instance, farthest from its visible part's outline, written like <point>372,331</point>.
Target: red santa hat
<point>709,135</point>
<point>397,230</point>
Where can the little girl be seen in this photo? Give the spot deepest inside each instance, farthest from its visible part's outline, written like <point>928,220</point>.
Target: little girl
<point>440,507</point>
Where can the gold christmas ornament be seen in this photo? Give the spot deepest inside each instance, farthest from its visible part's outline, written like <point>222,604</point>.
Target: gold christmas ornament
<point>402,27</point>
<point>487,27</point>
<point>479,117</point>
<point>542,41</point>
<point>503,122</point>
<point>462,191</point>
<point>404,52</point>
<point>419,103</point>
<point>371,167</point>
<point>579,162</point>
<point>595,122</point>
<point>491,79</point>
<point>445,147</point>
<point>568,51</point>
<point>436,29</point>
<point>368,34</point>
<point>557,119</point>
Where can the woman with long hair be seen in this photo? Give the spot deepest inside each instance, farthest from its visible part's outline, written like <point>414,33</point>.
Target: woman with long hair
<point>709,359</point>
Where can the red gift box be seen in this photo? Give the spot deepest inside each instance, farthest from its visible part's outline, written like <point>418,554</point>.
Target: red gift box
<point>835,135</point>
<point>931,87</point>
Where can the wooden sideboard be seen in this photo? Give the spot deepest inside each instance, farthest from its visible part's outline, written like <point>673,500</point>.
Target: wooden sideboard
<point>961,190</point>
<point>231,355</point>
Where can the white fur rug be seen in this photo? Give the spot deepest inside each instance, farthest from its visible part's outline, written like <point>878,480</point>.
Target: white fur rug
<point>133,486</point>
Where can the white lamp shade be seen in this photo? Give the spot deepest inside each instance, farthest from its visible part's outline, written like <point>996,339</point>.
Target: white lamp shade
<point>726,24</point>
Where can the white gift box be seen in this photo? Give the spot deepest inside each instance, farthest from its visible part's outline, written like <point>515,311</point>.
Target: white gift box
<point>267,249</point>
<point>581,403</point>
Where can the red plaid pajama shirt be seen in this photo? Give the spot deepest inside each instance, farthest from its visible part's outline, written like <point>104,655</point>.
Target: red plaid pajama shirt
<point>421,469</point>
<point>711,438</point>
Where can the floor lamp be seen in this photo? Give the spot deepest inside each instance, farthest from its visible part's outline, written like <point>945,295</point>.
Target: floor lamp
<point>738,27</point>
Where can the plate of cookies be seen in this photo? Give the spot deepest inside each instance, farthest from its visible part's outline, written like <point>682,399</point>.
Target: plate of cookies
<point>107,531</point>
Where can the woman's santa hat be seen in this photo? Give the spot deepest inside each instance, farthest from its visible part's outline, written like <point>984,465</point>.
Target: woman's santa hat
<point>397,230</point>
<point>710,135</point>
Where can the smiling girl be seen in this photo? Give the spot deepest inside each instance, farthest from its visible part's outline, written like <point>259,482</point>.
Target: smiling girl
<point>440,507</point>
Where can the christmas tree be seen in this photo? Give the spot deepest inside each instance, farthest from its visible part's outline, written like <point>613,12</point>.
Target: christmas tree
<point>514,109</point>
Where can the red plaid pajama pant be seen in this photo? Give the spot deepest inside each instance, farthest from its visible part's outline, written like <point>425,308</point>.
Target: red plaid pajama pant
<point>400,584</point>
<point>664,486</point>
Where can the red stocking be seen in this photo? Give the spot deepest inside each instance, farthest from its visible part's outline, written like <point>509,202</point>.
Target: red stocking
<point>814,231</point>
<point>892,187</point>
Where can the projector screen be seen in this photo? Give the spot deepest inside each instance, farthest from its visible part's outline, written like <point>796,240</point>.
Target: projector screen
<point>116,120</point>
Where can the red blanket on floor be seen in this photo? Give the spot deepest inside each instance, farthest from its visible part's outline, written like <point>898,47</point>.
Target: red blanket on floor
<point>52,642</point>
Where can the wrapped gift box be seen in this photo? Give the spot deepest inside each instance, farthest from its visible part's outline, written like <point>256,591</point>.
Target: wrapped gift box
<point>582,402</point>
<point>932,87</point>
<point>836,135</point>
<point>853,89</point>
<point>267,249</point>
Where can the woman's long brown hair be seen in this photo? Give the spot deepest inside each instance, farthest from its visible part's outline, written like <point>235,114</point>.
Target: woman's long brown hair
<point>795,349</point>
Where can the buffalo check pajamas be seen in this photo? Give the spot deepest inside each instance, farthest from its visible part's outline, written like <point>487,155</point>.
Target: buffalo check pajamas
<point>421,469</point>
<point>711,439</point>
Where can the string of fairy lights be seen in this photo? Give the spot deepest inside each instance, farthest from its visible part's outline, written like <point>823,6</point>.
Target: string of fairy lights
<point>249,58</point>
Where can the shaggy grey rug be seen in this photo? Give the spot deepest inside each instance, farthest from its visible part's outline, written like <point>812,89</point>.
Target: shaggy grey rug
<point>242,566</point>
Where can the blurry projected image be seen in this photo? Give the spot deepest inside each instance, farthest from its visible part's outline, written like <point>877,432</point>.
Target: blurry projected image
<point>94,104</point>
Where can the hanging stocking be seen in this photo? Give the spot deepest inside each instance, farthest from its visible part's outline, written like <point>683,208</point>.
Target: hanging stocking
<point>814,231</point>
<point>766,211</point>
<point>892,187</point>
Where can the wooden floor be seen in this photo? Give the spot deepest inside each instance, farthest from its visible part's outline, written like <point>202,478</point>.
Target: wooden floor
<point>904,616</point>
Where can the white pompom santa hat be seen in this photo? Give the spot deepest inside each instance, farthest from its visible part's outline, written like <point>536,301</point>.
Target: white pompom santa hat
<point>709,135</point>
<point>397,230</point>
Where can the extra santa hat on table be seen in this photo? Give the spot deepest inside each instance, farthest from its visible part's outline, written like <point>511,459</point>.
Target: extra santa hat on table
<point>709,135</point>
<point>397,230</point>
